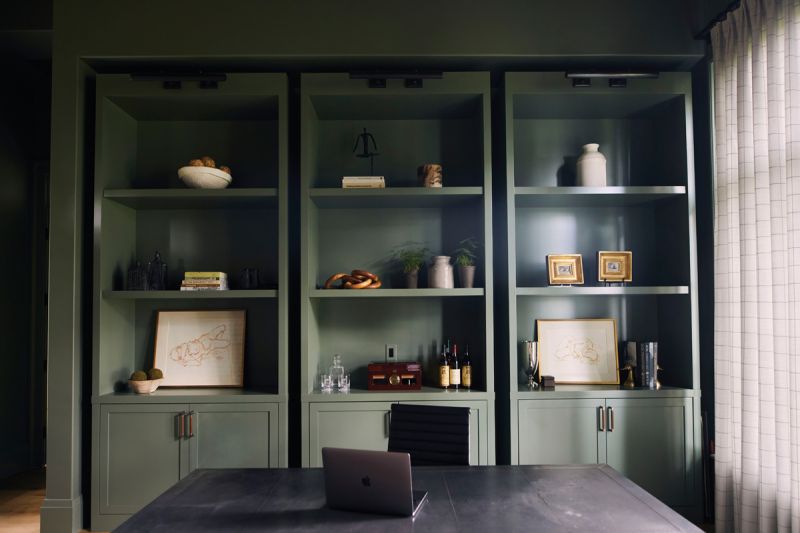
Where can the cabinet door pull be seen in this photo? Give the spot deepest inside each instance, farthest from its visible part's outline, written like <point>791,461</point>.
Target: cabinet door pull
<point>191,424</point>
<point>388,422</point>
<point>611,419</point>
<point>181,423</point>
<point>601,418</point>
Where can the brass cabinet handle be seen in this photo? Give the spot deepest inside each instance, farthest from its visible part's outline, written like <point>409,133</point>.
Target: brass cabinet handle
<point>611,419</point>
<point>181,422</point>
<point>601,418</point>
<point>191,424</point>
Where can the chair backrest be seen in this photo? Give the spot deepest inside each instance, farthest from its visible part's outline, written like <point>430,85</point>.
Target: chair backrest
<point>432,434</point>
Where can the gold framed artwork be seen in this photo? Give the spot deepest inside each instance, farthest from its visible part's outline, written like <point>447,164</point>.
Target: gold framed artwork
<point>200,348</point>
<point>581,351</point>
<point>615,266</point>
<point>565,269</point>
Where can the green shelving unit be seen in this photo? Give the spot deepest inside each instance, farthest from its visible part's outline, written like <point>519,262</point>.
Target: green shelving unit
<point>144,133</point>
<point>645,132</point>
<point>446,121</point>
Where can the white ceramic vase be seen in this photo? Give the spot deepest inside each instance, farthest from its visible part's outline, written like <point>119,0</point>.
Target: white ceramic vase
<point>591,167</point>
<point>440,273</point>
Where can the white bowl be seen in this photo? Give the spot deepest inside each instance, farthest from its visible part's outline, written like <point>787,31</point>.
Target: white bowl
<point>147,386</point>
<point>204,177</point>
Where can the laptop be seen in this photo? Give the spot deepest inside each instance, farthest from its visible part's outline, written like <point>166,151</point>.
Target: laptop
<point>370,482</point>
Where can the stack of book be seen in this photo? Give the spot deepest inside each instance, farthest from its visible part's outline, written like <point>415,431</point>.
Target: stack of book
<point>204,281</point>
<point>363,182</point>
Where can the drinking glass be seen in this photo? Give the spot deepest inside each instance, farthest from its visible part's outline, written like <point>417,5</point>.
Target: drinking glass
<point>343,383</point>
<point>325,382</point>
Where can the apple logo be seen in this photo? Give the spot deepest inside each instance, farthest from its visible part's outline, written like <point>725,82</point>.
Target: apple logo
<point>366,482</point>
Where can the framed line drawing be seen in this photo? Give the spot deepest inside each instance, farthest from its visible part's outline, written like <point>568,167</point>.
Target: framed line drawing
<point>200,348</point>
<point>565,269</point>
<point>581,351</point>
<point>615,266</point>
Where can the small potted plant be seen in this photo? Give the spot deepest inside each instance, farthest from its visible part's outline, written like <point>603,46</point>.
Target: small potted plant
<point>465,255</point>
<point>412,258</point>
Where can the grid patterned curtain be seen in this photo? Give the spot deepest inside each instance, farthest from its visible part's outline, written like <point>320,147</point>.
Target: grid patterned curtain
<point>757,267</point>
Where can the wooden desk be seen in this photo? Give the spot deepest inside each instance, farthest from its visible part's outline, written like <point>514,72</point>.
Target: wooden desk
<point>493,498</point>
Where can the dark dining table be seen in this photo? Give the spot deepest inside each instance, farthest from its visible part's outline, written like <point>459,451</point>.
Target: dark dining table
<point>592,498</point>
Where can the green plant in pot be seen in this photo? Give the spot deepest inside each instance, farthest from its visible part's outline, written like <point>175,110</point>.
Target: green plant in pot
<point>466,253</point>
<point>411,257</point>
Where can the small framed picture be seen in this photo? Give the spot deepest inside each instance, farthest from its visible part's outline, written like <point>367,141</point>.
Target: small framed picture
<point>582,351</point>
<point>565,269</point>
<point>615,266</point>
<point>200,348</point>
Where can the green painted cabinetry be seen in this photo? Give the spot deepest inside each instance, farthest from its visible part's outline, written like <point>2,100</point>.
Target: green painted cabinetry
<point>648,440</point>
<point>644,129</point>
<point>443,120</point>
<point>145,130</point>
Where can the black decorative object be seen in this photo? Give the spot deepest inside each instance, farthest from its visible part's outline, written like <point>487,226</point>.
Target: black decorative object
<point>248,278</point>
<point>156,274</point>
<point>137,277</point>
<point>366,138</point>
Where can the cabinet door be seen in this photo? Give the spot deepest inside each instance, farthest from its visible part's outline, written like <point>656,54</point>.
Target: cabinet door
<point>234,435</point>
<point>652,443</point>
<point>141,454</point>
<point>361,425</point>
<point>478,430</point>
<point>555,432</point>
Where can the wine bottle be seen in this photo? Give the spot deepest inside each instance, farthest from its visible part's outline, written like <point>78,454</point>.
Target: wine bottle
<point>444,369</point>
<point>455,369</point>
<point>466,370</point>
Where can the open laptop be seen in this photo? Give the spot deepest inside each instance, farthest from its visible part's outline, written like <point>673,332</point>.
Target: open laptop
<point>371,482</point>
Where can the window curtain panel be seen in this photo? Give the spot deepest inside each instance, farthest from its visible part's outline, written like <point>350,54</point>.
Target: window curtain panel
<point>757,267</point>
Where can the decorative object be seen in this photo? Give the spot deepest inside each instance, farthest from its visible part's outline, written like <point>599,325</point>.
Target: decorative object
<point>248,278</point>
<point>337,373</point>
<point>591,167</point>
<point>615,266</point>
<point>137,277</point>
<point>658,383</point>
<point>582,351</point>
<point>412,257</point>
<point>201,348</point>
<point>440,273</point>
<point>394,376</point>
<point>629,383</point>
<point>430,175</point>
<point>145,382</point>
<point>646,364</point>
<point>363,182</point>
<point>156,274</point>
<point>548,383</point>
<point>366,138</point>
<point>203,174</point>
<point>357,279</point>
<point>465,255</point>
<point>565,269</point>
<point>529,360</point>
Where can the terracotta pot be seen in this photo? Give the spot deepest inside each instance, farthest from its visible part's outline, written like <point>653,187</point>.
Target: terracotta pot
<point>466,276</point>
<point>412,279</point>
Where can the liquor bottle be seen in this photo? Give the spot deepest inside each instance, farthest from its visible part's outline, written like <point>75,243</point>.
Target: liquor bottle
<point>444,369</point>
<point>466,370</point>
<point>455,369</point>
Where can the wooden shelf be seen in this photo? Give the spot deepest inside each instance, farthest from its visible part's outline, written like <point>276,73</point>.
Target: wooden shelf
<point>427,393</point>
<point>593,196</point>
<point>602,291</point>
<point>395,197</point>
<point>190,295</point>
<point>194,198</point>
<point>395,293</point>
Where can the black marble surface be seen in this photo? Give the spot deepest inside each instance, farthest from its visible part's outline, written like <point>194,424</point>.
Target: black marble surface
<point>491,498</point>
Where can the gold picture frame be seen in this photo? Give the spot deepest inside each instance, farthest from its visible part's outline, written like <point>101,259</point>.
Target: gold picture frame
<point>615,266</point>
<point>201,348</point>
<point>579,351</point>
<point>565,269</point>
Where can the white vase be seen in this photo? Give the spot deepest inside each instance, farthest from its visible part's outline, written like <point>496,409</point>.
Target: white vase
<point>440,273</point>
<point>591,167</point>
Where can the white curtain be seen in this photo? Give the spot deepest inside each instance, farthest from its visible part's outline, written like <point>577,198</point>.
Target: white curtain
<point>757,267</point>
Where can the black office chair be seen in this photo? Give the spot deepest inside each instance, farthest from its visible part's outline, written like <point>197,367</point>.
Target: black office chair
<point>433,435</point>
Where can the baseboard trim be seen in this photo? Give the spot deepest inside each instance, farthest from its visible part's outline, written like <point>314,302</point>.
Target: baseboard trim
<point>60,515</point>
